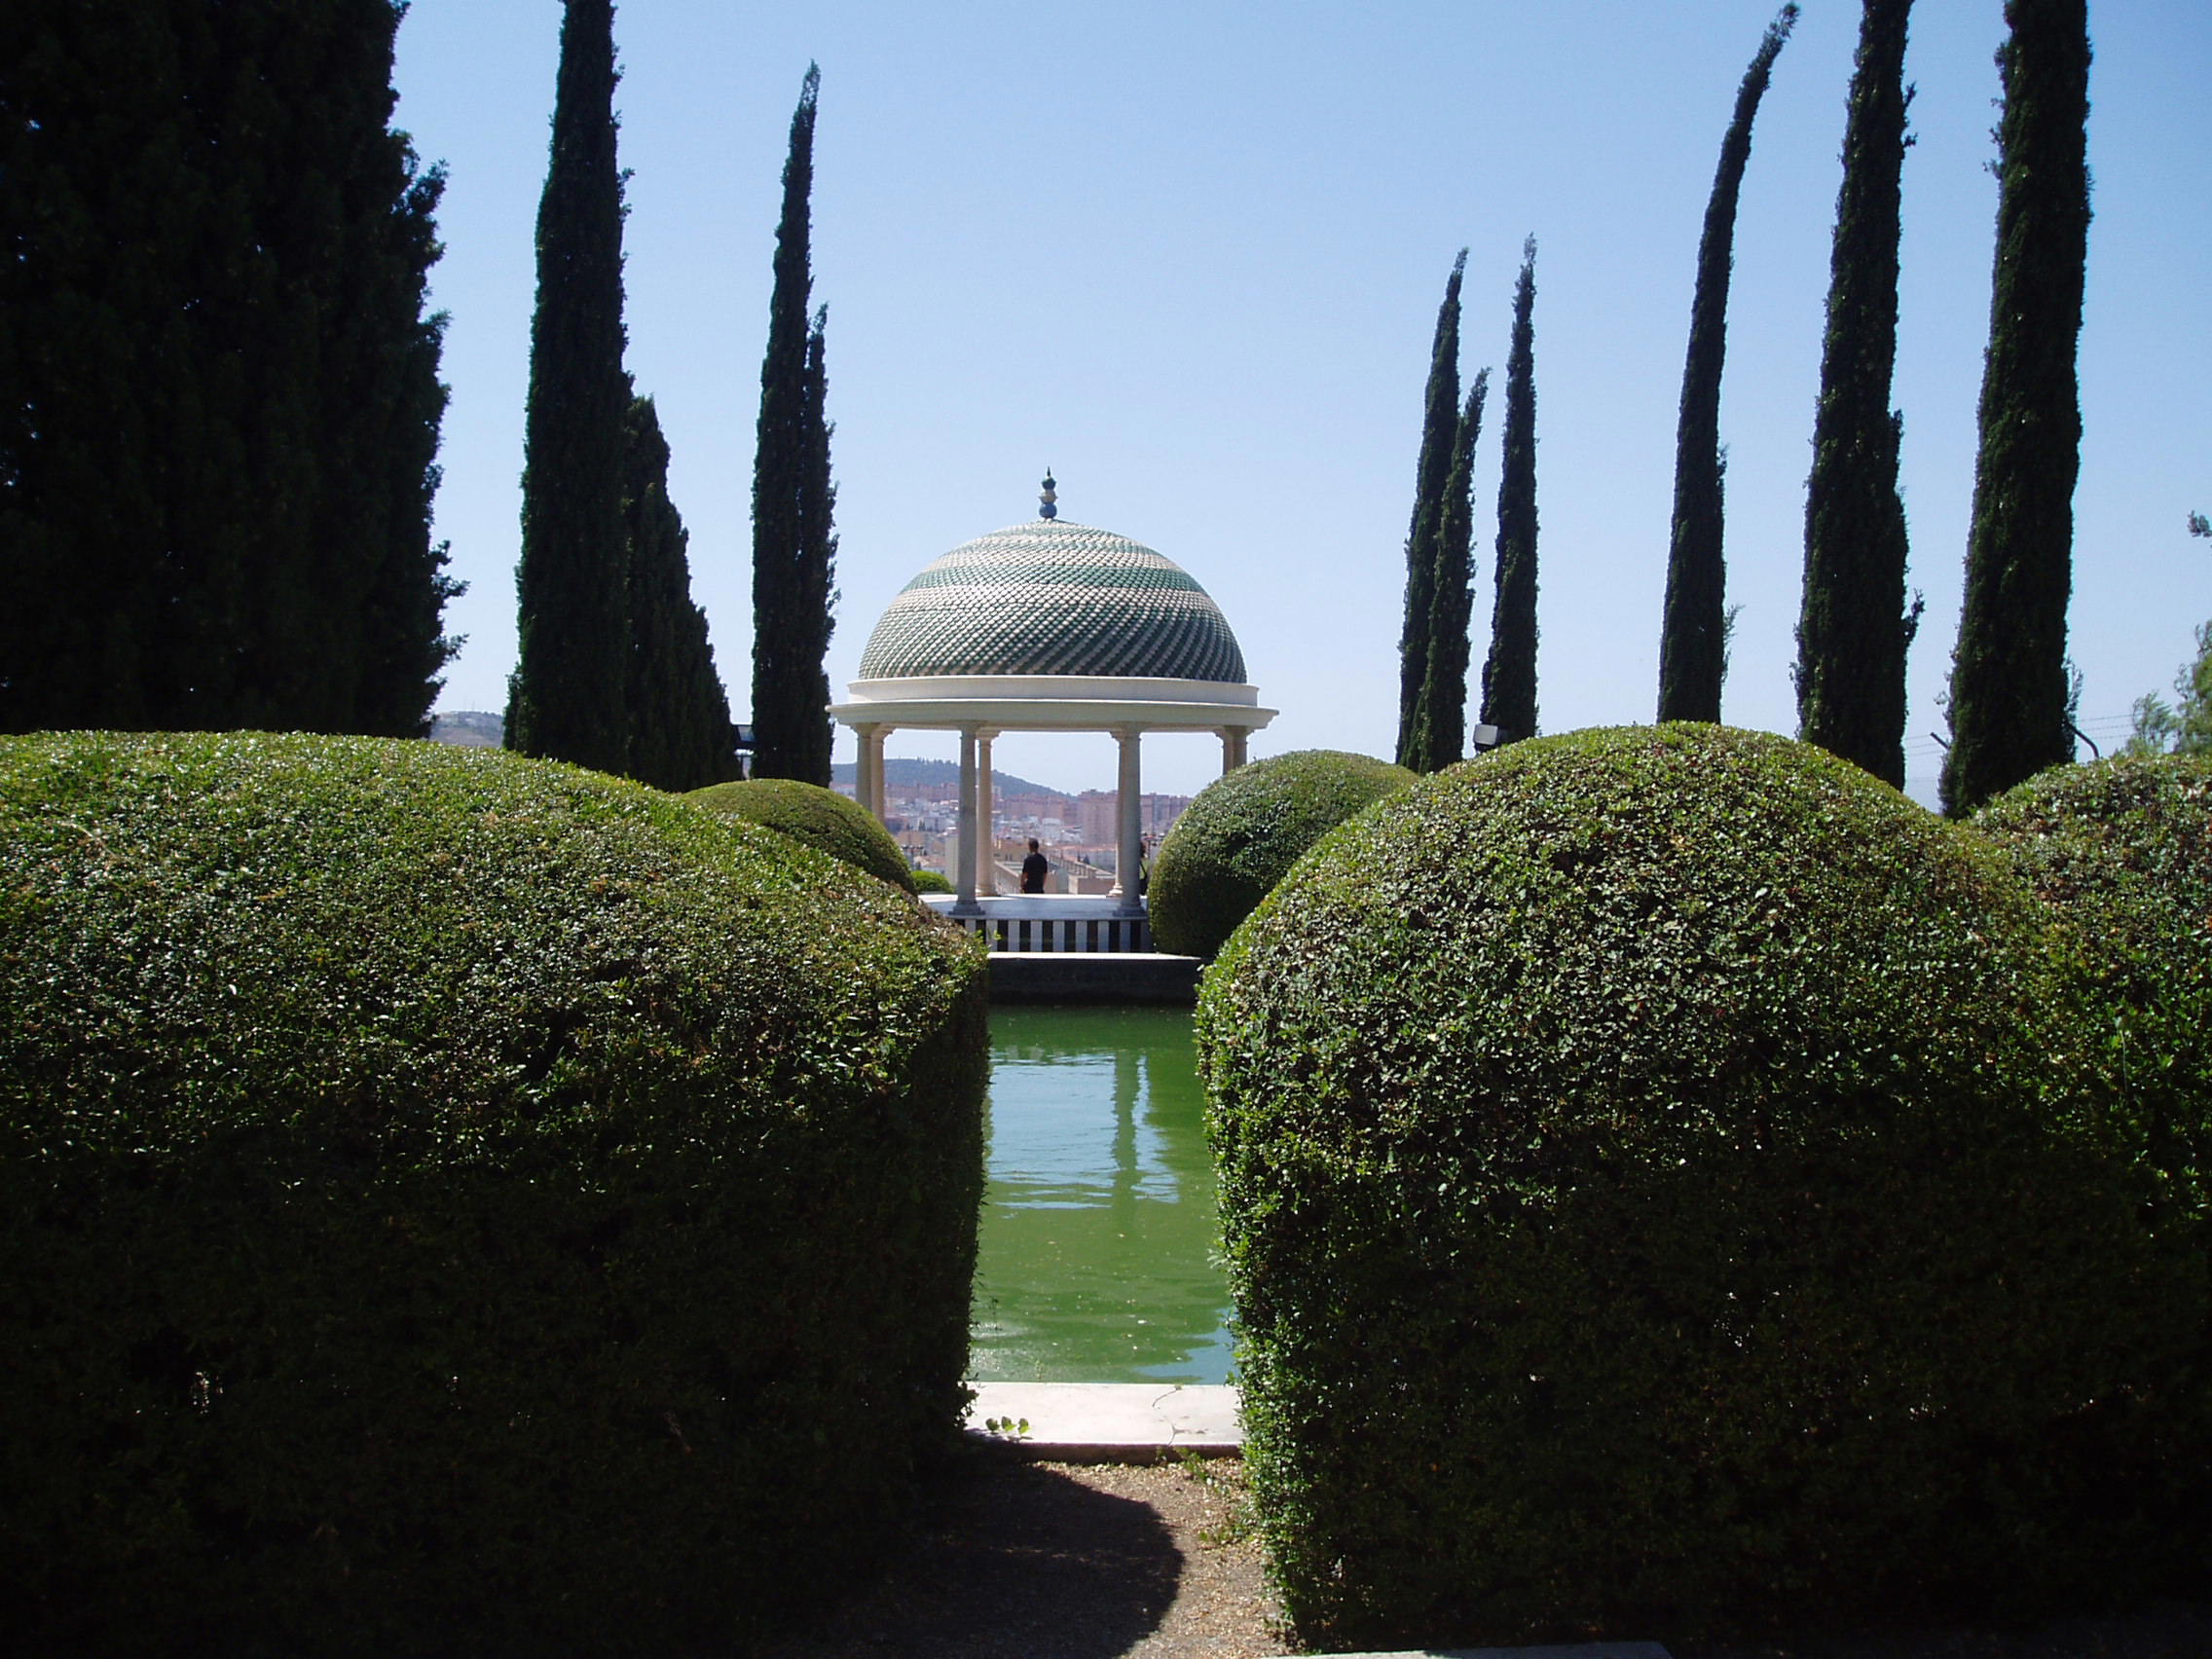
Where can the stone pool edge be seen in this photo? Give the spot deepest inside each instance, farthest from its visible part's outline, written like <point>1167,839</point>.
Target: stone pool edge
<point>1108,1422</point>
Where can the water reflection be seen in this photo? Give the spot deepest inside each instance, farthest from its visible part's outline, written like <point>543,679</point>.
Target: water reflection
<point>1099,1227</point>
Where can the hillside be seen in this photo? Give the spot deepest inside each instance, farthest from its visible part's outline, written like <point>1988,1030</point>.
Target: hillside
<point>937,780</point>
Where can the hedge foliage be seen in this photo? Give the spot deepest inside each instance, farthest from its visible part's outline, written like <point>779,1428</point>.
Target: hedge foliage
<point>2123,852</point>
<point>452,1202</point>
<point>931,881</point>
<point>1647,1216</point>
<point>1245,829</point>
<point>823,819</point>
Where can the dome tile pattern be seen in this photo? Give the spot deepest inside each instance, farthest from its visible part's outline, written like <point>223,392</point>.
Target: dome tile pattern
<point>1049,596</point>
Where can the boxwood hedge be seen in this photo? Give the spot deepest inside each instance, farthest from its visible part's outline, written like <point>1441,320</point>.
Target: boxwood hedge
<point>2123,853</point>
<point>821,818</point>
<point>451,1203</point>
<point>1245,829</point>
<point>1659,1200</point>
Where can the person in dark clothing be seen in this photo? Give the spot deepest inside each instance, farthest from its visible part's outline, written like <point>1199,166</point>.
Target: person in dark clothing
<point>1033,869</point>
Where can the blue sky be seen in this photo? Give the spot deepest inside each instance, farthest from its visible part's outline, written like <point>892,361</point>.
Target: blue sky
<point>1189,256</point>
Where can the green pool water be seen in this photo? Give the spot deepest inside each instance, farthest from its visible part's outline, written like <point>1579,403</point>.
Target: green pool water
<point>1099,1231</point>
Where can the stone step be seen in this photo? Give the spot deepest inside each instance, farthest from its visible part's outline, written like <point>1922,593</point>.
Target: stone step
<point>1108,1422</point>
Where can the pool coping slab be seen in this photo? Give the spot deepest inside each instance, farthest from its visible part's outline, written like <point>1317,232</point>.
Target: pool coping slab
<point>1109,1422</point>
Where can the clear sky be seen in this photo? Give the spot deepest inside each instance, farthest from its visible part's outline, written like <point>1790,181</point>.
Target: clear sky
<point>1190,253</point>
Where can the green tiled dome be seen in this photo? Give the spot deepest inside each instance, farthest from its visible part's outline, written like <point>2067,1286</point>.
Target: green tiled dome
<point>1049,596</point>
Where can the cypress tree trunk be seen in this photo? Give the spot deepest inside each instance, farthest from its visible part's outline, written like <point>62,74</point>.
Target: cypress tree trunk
<point>2008,681</point>
<point>1692,642</point>
<point>219,404</point>
<point>1439,432</point>
<point>567,698</point>
<point>1509,675</point>
<point>1441,714</point>
<point>792,547</point>
<point>1853,629</point>
<point>679,730</point>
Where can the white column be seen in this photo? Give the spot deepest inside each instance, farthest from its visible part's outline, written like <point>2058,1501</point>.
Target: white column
<point>987,842</point>
<point>1231,749</point>
<point>864,776</point>
<point>1129,809</point>
<point>875,792</point>
<point>963,855</point>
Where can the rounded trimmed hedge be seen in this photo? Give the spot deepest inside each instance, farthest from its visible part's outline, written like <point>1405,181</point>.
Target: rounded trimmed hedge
<point>1647,1216</point>
<point>823,819</point>
<point>931,881</point>
<point>456,1203</point>
<point>1245,829</point>
<point>2121,851</point>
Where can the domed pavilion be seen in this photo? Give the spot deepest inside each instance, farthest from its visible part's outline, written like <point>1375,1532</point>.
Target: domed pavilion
<point>1049,626</point>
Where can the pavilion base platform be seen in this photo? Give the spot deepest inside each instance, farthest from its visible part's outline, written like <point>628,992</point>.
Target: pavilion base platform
<point>1063,925</point>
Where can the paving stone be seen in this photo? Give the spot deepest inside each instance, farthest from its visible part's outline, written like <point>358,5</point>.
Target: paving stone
<point>1110,1422</point>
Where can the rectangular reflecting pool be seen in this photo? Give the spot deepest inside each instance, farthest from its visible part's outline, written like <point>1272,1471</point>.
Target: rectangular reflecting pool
<point>1097,1259</point>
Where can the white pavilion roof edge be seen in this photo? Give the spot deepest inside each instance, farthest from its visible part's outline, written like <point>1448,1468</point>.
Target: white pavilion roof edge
<point>999,713</point>
<point>1049,688</point>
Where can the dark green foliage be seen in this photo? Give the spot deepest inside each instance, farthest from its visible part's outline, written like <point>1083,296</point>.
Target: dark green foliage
<point>1432,474</point>
<point>793,552</point>
<point>822,819</point>
<point>931,881</point>
<point>1853,626</point>
<point>679,730</point>
<point>1509,672</point>
<point>2010,717</point>
<point>456,1204</point>
<point>2123,852</point>
<point>1440,716</point>
<point>568,699</point>
<point>1693,645</point>
<point>2184,725</point>
<point>1245,829</point>
<point>1647,1217</point>
<point>219,402</point>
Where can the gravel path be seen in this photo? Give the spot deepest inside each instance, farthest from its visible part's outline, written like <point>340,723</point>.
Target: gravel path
<point>1054,1560</point>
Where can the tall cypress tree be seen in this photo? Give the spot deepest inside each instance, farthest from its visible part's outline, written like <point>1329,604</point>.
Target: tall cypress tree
<point>568,696</point>
<point>2008,682</point>
<point>1439,432</point>
<point>679,730</point>
<point>813,582</point>
<point>792,547</point>
<point>1441,714</point>
<point>1692,635</point>
<point>1853,629</point>
<point>219,403</point>
<point>1509,674</point>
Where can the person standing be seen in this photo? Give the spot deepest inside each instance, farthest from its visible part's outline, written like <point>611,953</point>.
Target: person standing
<point>1034,868</point>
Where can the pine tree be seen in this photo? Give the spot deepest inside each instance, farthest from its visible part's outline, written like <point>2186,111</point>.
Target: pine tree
<point>1854,629</point>
<point>1441,713</point>
<point>568,697</point>
<point>1509,674</point>
<point>792,548</point>
<point>2008,677</point>
<point>680,730</point>
<point>219,404</point>
<point>1693,635</point>
<point>1439,432</point>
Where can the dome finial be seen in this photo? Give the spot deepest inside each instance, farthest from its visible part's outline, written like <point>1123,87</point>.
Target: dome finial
<point>1045,510</point>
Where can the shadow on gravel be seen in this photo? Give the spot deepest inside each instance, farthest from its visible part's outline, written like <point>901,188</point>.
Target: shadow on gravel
<point>1009,1561</point>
